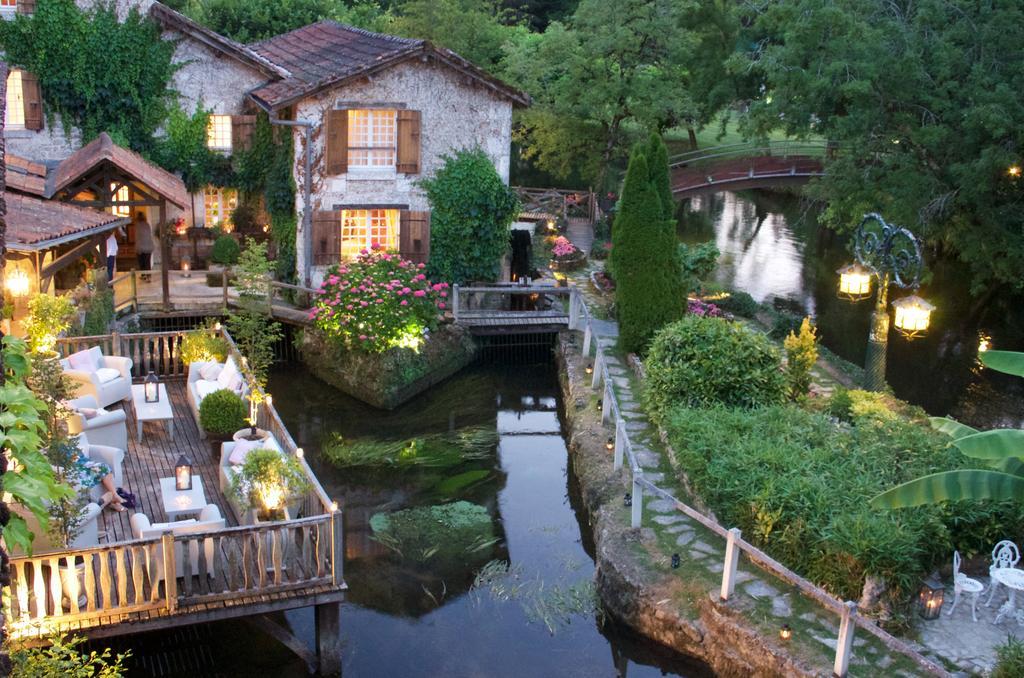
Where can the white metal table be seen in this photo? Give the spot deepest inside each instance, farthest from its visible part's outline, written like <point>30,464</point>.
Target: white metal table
<point>1013,580</point>
<point>182,502</point>
<point>158,411</point>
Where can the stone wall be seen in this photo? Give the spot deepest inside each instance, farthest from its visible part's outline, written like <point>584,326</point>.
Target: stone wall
<point>455,114</point>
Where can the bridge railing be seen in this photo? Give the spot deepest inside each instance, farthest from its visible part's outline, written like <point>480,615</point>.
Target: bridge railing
<point>511,303</point>
<point>751,149</point>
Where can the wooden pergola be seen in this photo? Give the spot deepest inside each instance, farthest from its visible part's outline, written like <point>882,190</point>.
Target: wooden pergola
<point>96,176</point>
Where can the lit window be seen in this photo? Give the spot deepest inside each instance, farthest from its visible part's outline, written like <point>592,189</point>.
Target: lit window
<point>362,228</point>
<point>219,205</point>
<point>15,118</point>
<point>218,133</point>
<point>371,138</point>
<point>8,6</point>
<point>120,195</point>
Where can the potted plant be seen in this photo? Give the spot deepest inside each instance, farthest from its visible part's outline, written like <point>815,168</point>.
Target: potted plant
<point>223,256</point>
<point>565,256</point>
<point>221,413</point>
<point>204,344</point>
<point>266,482</point>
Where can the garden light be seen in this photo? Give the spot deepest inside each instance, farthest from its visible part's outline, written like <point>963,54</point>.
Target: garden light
<point>854,282</point>
<point>17,283</point>
<point>1014,171</point>
<point>913,315</point>
<point>151,388</point>
<point>589,369</point>
<point>675,561</point>
<point>609,445</point>
<point>627,500</point>
<point>930,597</point>
<point>183,474</point>
<point>785,633</point>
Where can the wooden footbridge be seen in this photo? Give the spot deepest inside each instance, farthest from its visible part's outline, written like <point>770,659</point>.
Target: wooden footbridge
<point>515,309</point>
<point>747,165</point>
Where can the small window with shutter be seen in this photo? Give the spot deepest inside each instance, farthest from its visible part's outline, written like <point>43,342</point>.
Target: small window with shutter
<point>218,133</point>
<point>14,117</point>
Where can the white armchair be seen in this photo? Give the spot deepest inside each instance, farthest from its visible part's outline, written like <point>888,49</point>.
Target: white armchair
<point>105,428</point>
<point>113,457</point>
<point>110,382</point>
<point>210,520</point>
<point>43,542</point>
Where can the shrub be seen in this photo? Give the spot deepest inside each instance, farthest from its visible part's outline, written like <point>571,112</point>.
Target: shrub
<point>649,290</point>
<point>471,210</point>
<point>1010,656</point>
<point>697,262</point>
<point>377,302</point>
<point>225,251</point>
<point>268,479</point>
<point>739,303</point>
<point>203,344</point>
<point>855,405</point>
<point>801,354</point>
<point>706,361</point>
<point>840,405</point>
<point>222,413</point>
<point>64,658</point>
<point>784,324</point>
<point>702,309</point>
<point>48,316</point>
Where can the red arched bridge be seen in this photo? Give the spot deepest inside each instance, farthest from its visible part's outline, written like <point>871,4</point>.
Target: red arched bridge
<point>747,165</point>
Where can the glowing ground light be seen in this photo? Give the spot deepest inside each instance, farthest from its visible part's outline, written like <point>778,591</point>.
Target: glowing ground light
<point>984,343</point>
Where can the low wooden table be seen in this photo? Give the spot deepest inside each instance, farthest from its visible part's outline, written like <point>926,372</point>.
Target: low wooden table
<point>158,411</point>
<point>182,502</point>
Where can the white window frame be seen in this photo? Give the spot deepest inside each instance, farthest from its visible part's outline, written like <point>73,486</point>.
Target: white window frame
<point>14,113</point>
<point>218,133</point>
<point>376,148</point>
<point>7,11</point>
<point>121,195</point>
<point>369,222</point>
<point>224,210</point>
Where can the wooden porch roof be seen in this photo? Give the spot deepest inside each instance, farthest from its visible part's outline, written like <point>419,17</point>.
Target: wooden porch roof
<point>34,224</point>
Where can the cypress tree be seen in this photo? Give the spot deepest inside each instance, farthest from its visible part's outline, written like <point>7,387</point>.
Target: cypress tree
<point>649,291</point>
<point>657,166</point>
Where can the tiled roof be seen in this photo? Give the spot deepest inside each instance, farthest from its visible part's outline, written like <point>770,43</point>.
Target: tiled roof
<point>32,223</point>
<point>24,175</point>
<point>101,149</point>
<point>327,54</point>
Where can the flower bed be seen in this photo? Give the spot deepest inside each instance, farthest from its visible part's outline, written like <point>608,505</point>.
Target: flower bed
<point>565,255</point>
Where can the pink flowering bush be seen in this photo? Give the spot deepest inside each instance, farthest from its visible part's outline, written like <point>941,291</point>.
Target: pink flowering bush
<point>563,247</point>
<point>377,302</point>
<point>703,309</point>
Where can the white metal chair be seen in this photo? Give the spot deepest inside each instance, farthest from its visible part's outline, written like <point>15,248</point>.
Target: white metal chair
<point>964,584</point>
<point>1005,554</point>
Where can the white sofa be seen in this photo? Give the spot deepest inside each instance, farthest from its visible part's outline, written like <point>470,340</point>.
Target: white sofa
<point>88,530</point>
<point>210,520</point>
<point>198,388</point>
<point>113,457</point>
<point>111,382</point>
<point>105,428</point>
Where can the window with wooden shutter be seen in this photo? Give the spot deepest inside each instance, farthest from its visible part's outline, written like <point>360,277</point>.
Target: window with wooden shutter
<point>336,151</point>
<point>33,101</point>
<point>326,237</point>
<point>242,129</point>
<point>26,6</point>
<point>414,236</point>
<point>408,142</point>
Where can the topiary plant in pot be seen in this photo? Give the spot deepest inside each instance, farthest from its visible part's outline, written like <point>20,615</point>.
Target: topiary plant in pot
<point>224,255</point>
<point>221,413</point>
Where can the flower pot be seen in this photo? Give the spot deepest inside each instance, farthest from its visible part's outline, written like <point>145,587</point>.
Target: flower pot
<point>570,262</point>
<point>246,434</point>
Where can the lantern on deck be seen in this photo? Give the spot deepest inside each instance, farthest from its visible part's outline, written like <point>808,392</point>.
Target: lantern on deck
<point>854,282</point>
<point>930,598</point>
<point>183,474</point>
<point>17,283</point>
<point>913,315</point>
<point>151,388</point>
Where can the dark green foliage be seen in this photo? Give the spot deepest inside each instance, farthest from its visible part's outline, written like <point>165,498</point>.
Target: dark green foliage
<point>222,413</point>
<point>64,658</point>
<point>840,405</point>
<point>183,149</point>
<point>476,30</point>
<point>1010,659</point>
<point>784,323</point>
<point>657,165</point>
<point>96,73</point>
<point>254,20</point>
<point>431,450</point>
<point>701,361</point>
<point>697,263</point>
<point>739,303</point>
<point>471,209</point>
<point>225,251</point>
<point>649,288</point>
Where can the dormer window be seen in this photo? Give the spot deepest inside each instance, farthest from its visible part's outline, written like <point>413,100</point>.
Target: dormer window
<point>218,133</point>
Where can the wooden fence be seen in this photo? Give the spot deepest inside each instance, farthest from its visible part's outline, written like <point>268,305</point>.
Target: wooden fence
<point>558,203</point>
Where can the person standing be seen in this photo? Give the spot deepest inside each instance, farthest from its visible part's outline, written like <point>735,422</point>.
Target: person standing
<point>111,255</point>
<point>143,243</point>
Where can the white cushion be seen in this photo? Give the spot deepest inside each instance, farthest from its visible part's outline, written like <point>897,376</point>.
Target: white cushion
<point>226,378</point>
<point>91,412</point>
<point>84,361</point>
<point>107,374</point>
<point>210,371</point>
<point>242,449</point>
<point>205,388</point>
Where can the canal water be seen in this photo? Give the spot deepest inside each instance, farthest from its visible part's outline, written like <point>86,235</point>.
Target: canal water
<point>773,247</point>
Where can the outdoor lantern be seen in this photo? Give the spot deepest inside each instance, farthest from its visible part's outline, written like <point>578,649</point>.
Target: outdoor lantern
<point>151,388</point>
<point>186,267</point>
<point>610,444</point>
<point>785,633</point>
<point>912,315</point>
<point>183,474</point>
<point>17,283</point>
<point>600,404</point>
<point>589,369</point>
<point>675,561</point>
<point>627,500</point>
<point>854,282</point>
<point>930,597</point>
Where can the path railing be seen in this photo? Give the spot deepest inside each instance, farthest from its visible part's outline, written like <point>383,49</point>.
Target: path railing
<point>752,149</point>
<point>558,202</point>
<point>624,455</point>
<point>509,304</point>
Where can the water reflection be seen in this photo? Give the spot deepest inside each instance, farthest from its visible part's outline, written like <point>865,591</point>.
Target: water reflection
<point>773,248</point>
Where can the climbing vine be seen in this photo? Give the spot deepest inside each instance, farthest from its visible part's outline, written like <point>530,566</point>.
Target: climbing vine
<point>96,73</point>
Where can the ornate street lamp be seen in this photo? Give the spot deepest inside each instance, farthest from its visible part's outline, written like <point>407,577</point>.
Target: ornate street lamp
<point>893,255</point>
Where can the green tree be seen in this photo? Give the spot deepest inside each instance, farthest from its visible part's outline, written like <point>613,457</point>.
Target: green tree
<point>1003,449</point>
<point>923,100</point>
<point>476,30</point>
<point>251,326</point>
<point>254,20</point>
<point>801,354</point>
<point>657,165</point>
<point>471,211</point>
<point>648,282</point>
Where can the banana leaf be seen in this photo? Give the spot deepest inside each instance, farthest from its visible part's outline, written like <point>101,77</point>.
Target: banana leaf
<point>998,443</point>
<point>1011,465</point>
<point>951,427</point>
<point>973,484</point>
<point>1010,362</point>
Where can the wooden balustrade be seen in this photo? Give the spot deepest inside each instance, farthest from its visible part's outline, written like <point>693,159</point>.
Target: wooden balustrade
<point>159,352</point>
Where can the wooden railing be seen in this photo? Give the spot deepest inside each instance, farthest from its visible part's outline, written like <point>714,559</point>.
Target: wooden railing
<point>157,352</point>
<point>558,202</point>
<point>509,303</point>
<point>625,456</point>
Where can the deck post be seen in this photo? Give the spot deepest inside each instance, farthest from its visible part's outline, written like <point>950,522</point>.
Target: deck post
<point>620,442</point>
<point>328,638</point>
<point>115,343</point>
<point>598,360</point>
<point>337,548</point>
<point>574,309</point>
<point>224,286</point>
<point>586,341</point>
<point>135,292</point>
<point>844,644</point>
<point>732,561</point>
<point>606,404</point>
<point>170,574</point>
<point>638,499</point>
<point>455,302</point>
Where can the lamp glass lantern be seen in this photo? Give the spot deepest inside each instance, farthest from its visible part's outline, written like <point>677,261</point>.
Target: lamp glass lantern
<point>913,315</point>
<point>151,388</point>
<point>930,598</point>
<point>854,282</point>
<point>17,283</point>
<point>183,474</point>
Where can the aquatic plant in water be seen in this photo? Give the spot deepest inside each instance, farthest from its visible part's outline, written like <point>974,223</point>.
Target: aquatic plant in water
<point>436,450</point>
<point>442,532</point>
